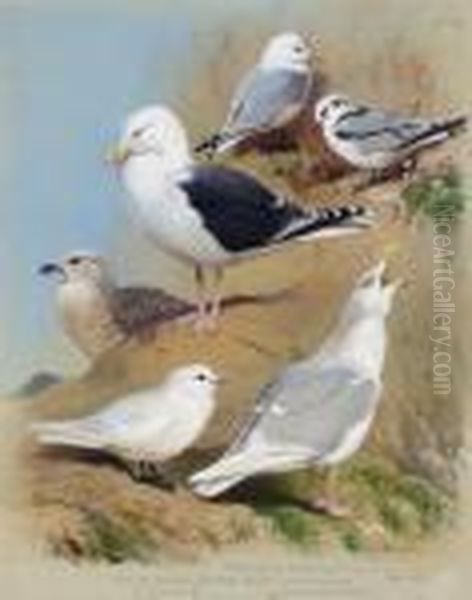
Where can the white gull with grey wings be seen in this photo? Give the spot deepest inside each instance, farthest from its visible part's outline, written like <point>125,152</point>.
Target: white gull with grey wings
<point>271,95</point>
<point>147,427</point>
<point>318,411</point>
<point>372,138</point>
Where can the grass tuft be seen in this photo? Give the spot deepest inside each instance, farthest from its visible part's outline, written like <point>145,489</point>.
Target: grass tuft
<point>438,195</point>
<point>352,540</point>
<point>405,503</point>
<point>293,524</point>
<point>113,542</point>
<point>429,504</point>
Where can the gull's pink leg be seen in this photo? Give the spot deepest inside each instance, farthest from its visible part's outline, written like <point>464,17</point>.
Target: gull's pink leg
<point>200,322</point>
<point>327,503</point>
<point>215,305</point>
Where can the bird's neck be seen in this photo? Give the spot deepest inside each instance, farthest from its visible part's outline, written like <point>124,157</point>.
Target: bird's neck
<point>145,174</point>
<point>360,343</point>
<point>103,286</point>
<point>283,66</point>
<point>84,309</point>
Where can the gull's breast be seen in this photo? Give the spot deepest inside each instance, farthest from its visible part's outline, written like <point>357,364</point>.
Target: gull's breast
<point>86,318</point>
<point>165,215</point>
<point>351,442</point>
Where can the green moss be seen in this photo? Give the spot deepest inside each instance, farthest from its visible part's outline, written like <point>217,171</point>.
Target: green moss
<point>430,505</point>
<point>374,475</point>
<point>405,504</point>
<point>397,516</point>
<point>114,542</point>
<point>352,540</point>
<point>382,498</point>
<point>293,524</point>
<point>439,195</point>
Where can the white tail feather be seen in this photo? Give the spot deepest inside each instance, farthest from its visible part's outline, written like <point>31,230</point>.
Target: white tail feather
<point>234,468</point>
<point>66,433</point>
<point>221,476</point>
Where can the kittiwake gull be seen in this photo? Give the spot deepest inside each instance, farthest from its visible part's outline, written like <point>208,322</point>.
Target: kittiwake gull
<point>370,138</point>
<point>270,96</point>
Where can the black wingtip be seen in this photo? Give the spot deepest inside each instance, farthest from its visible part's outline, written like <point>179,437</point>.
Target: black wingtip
<point>457,124</point>
<point>209,146</point>
<point>325,222</point>
<point>347,215</point>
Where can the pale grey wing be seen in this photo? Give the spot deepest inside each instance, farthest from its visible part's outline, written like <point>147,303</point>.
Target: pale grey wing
<point>103,425</point>
<point>263,97</point>
<point>312,410</point>
<point>373,130</point>
<point>138,309</point>
<point>118,416</point>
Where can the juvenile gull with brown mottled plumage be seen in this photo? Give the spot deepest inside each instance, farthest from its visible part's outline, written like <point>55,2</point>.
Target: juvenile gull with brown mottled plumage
<point>97,314</point>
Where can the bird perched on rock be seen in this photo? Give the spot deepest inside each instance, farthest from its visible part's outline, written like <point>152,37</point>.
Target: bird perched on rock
<point>270,96</point>
<point>97,314</point>
<point>208,215</point>
<point>145,428</point>
<point>318,411</point>
<point>370,138</point>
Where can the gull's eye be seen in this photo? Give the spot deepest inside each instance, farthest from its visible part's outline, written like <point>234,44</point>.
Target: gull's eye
<point>324,112</point>
<point>75,260</point>
<point>338,102</point>
<point>137,133</point>
<point>201,377</point>
<point>299,49</point>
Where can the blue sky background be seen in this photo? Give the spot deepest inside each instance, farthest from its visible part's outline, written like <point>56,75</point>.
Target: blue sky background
<point>67,78</point>
<point>72,75</point>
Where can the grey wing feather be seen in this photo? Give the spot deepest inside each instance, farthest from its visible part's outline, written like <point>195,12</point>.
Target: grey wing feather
<point>137,309</point>
<point>263,96</point>
<point>310,410</point>
<point>122,413</point>
<point>106,423</point>
<point>376,131</point>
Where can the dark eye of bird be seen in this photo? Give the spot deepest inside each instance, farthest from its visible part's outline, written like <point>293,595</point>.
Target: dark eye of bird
<point>138,132</point>
<point>201,377</point>
<point>75,260</point>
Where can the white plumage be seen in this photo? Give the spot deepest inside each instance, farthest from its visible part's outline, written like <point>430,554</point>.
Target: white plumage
<point>144,427</point>
<point>318,411</point>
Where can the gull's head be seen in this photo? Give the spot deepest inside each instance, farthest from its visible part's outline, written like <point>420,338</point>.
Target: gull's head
<point>373,294</point>
<point>194,377</point>
<point>153,131</point>
<point>331,107</point>
<point>77,267</point>
<point>287,51</point>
